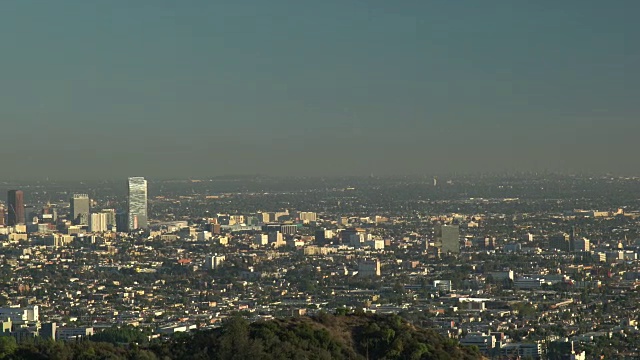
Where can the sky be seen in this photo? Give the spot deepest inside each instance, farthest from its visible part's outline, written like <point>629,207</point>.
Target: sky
<point>190,88</point>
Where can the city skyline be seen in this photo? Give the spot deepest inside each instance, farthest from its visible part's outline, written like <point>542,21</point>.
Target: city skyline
<point>473,255</point>
<point>79,211</point>
<point>327,179</point>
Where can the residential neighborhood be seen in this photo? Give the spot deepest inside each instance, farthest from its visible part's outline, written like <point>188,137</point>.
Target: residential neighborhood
<point>543,275</point>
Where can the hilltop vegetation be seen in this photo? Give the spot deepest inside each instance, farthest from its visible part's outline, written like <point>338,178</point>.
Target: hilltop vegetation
<point>322,337</point>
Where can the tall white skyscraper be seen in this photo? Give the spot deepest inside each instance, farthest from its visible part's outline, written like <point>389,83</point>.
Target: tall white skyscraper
<point>98,222</point>
<point>137,203</point>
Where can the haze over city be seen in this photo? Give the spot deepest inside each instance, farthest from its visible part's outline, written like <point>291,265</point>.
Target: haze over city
<point>95,90</point>
<point>333,179</point>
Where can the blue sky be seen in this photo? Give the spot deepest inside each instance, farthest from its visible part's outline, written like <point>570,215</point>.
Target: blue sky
<point>200,88</point>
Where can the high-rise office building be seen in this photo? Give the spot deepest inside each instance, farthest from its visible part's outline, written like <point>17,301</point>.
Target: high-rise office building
<point>15,205</point>
<point>214,262</point>
<point>137,209</point>
<point>323,236</point>
<point>581,245</point>
<point>561,242</point>
<point>447,237</point>
<point>98,222</point>
<point>111,216</point>
<point>307,216</point>
<point>369,268</point>
<point>122,221</point>
<point>80,208</point>
<point>2,214</point>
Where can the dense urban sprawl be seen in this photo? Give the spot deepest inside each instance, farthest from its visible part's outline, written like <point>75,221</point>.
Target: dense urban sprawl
<point>524,265</point>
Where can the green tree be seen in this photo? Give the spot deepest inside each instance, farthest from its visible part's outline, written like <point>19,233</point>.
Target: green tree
<point>8,346</point>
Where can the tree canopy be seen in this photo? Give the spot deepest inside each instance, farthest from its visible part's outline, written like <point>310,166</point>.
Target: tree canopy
<point>325,336</point>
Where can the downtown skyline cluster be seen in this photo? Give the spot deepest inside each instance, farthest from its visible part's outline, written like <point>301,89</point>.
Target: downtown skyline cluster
<point>80,212</point>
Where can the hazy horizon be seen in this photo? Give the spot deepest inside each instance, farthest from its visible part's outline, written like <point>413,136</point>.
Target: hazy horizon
<point>441,178</point>
<point>167,89</point>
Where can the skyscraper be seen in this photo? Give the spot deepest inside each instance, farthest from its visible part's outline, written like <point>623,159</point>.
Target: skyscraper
<point>80,208</point>
<point>98,222</point>
<point>111,216</point>
<point>137,212</point>
<point>2,215</point>
<point>15,204</point>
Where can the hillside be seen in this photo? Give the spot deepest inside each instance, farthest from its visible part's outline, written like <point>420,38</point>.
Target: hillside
<point>321,337</point>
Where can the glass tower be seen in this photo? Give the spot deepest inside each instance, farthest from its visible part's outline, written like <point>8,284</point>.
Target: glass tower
<point>137,203</point>
<point>15,202</point>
